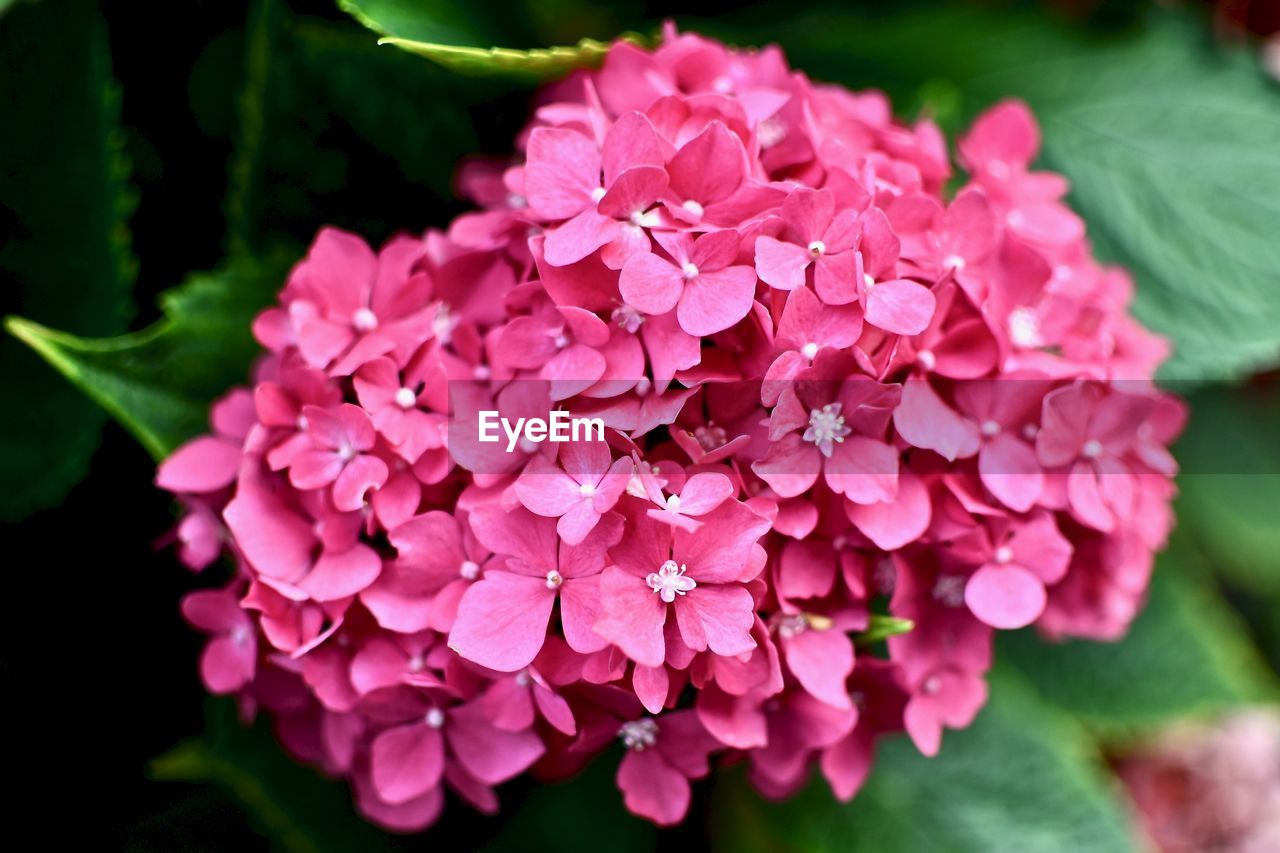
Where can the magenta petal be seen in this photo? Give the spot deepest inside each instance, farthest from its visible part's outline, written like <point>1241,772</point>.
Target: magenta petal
<point>546,490</point>
<point>1010,471</point>
<point>714,301</point>
<point>893,524</point>
<point>718,617</point>
<point>1006,596</point>
<point>227,665</point>
<point>780,264</point>
<point>632,618</point>
<point>924,420</point>
<point>580,609</point>
<point>406,761</point>
<point>579,237</point>
<point>650,284</point>
<point>490,754</point>
<point>562,171</point>
<point>863,470</point>
<point>336,576</point>
<point>900,306</point>
<point>821,661</point>
<point>502,621</point>
<point>651,684</point>
<point>204,464</point>
<point>365,472</point>
<point>651,788</point>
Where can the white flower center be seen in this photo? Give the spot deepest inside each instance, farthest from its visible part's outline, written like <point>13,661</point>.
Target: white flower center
<point>693,207</point>
<point>405,398</point>
<point>954,262</point>
<point>481,372</point>
<point>670,581</point>
<point>1092,449</point>
<point>346,453</point>
<point>868,280</point>
<point>1029,432</point>
<point>791,625</point>
<point>1024,327</point>
<point>809,350</point>
<point>434,718</point>
<point>639,734</point>
<point>470,570</point>
<point>587,490</point>
<point>627,318</point>
<point>640,219</point>
<point>554,579</point>
<point>817,247</point>
<point>1004,554</point>
<point>710,436</point>
<point>990,429</point>
<point>826,426</point>
<point>673,503</point>
<point>949,590</point>
<point>364,320</point>
<point>927,359</point>
<point>561,340</point>
<point>690,270</point>
<point>597,194</point>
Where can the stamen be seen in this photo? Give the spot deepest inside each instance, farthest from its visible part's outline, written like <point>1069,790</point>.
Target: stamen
<point>826,426</point>
<point>670,581</point>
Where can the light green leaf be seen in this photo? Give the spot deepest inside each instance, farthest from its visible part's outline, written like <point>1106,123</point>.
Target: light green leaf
<point>65,256</point>
<point>1187,654</point>
<point>442,33</point>
<point>881,628</point>
<point>1022,778</point>
<point>158,383</point>
<point>538,63</point>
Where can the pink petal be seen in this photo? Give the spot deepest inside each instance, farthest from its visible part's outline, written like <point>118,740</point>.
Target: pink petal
<point>1005,596</point>
<point>502,621</point>
<point>227,665</point>
<point>863,470</point>
<point>710,167</point>
<point>780,264</point>
<point>821,661</point>
<point>336,576</point>
<point>487,753</point>
<point>900,306</point>
<point>204,464</point>
<point>651,788</point>
<point>633,616</point>
<point>563,169</point>
<point>893,524</point>
<point>714,301</point>
<point>650,284</point>
<point>406,761</point>
<point>1010,471</point>
<point>650,684</point>
<point>363,473</point>
<point>718,617</point>
<point>579,237</point>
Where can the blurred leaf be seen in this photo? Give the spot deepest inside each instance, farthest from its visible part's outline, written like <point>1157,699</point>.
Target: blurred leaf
<point>66,258</point>
<point>1022,778</point>
<point>289,803</point>
<point>582,814</point>
<point>158,383</point>
<point>441,32</point>
<point>1172,144</point>
<point>1187,653</point>
<point>1230,484</point>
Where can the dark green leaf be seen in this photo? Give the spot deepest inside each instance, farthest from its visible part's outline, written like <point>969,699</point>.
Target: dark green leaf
<point>1022,778</point>
<point>158,382</point>
<point>289,803</point>
<point>66,257</point>
<point>1186,654</point>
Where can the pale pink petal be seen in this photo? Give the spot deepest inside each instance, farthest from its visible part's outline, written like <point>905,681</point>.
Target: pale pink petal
<point>502,621</point>
<point>1005,596</point>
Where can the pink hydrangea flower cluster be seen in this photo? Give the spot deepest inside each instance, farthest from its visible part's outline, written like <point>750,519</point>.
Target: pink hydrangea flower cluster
<point>830,389</point>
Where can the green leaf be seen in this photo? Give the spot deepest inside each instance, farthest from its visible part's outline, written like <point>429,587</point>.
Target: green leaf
<point>536,64</point>
<point>1023,777</point>
<point>66,256</point>
<point>1187,654</point>
<point>1171,142</point>
<point>288,802</point>
<point>158,383</point>
<point>441,33</point>
<point>882,628</point>
<point>1229,488</point>
<point>589,805</point>
<point>331,128</point>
